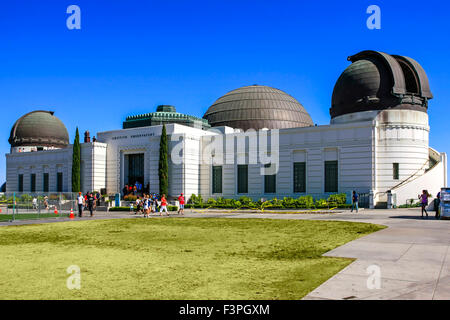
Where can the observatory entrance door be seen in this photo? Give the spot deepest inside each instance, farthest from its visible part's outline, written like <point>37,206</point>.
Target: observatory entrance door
<point>135,168</point>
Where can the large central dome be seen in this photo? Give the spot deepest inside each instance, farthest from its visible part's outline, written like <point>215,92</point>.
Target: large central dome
<point>257,107</point>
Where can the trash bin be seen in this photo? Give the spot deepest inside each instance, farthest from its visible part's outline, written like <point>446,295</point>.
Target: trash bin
<point>117,200</point>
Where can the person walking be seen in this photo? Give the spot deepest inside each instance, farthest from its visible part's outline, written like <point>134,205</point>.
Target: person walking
<point>181,201</point>
<point>437,204</point>
<point>151,203</point>
<point>98,196</point>
<point>90,203</point>
<point>139,203</point>
<point>355,201</point>
<point>95,201</point>
<point>86,197</point>
<point>80,204</point>
<point>157,202</point>
<point>424,202</point>
<point>145,206</point>
<point>163,205</point>
<point>46,203</point>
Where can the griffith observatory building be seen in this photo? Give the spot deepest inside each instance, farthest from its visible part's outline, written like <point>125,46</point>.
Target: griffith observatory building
<point>256,141</point>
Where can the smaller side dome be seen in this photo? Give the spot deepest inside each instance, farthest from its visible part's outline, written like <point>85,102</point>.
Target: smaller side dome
<point>39,129</point>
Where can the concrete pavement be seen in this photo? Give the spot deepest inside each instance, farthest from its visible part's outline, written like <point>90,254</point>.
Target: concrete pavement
<point>412,255</point>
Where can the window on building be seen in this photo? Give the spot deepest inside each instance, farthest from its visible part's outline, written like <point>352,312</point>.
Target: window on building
<point>299,177</point>
<point>46,182</point>
<point>242,179</point>
<point>396,171</point>
<point>59,182</point>
<point>331,176</point>
<point>217,179</point>
<point>33,182</point>
<point>20,183</point>
<point>270,182</point>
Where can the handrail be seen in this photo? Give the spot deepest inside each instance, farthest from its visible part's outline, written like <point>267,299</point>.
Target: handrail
<point>411,176</point>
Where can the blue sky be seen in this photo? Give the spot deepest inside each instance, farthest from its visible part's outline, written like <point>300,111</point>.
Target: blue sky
<point>130,56</point>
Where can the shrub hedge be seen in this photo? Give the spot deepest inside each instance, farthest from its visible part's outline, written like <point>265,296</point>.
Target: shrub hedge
<point>414,205</point>
<point>303,202</point>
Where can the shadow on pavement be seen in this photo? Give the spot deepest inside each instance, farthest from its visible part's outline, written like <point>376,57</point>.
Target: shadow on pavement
<point>430,217</point>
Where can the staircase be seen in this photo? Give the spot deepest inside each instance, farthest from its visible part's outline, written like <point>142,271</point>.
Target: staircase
<point>381,205</point>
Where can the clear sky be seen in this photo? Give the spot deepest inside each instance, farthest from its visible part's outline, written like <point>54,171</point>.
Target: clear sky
<point>131,56</point>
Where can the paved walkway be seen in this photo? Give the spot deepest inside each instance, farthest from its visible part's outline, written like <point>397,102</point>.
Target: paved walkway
<point>413,254</point>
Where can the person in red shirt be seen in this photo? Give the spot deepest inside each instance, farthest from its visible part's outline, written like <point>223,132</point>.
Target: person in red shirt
<point>181,200</point>
<point>163,205</point>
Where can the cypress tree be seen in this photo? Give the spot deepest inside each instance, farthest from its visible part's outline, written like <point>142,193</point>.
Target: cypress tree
<point>163,163</point>
<point>76,164</point>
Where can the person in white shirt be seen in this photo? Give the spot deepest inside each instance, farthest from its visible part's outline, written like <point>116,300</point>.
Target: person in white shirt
<point>146,208</point>
<point>138,205</point>
<point>80,204</point>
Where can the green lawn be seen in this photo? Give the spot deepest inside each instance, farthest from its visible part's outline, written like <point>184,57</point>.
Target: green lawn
<point>173,258</point>
<point>31,216</point>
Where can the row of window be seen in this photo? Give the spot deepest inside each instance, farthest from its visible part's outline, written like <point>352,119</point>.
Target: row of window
<point>270,182</point>
<point>299,178</point>
<point>45,180</point>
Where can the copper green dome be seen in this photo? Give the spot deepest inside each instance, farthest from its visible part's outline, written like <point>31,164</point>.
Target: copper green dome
<point>41,129</point>
<point>165,114</point>
<point>258,107</point>
<point>379,81</point>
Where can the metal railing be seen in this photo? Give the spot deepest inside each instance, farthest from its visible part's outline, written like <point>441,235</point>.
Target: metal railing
<point>14,206</point>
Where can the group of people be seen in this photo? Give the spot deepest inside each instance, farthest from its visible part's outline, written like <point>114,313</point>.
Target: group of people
<point>36,204</point>
<point>89,201</point>
<point>150,203</point>
<point>423,198</point>
<point>136,189</point>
